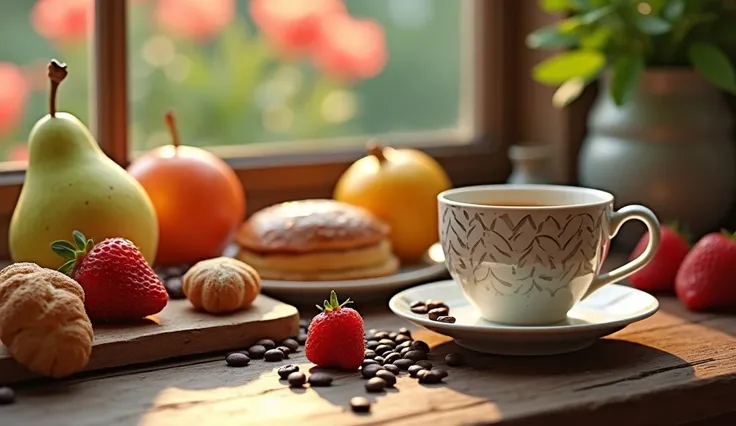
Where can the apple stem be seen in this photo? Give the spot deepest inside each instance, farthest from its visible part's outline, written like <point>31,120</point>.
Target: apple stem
<point>57,74</point>
<point>376,150</point>
<point>171,123</point>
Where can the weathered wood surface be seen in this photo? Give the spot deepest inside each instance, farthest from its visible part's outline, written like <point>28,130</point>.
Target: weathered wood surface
<point>178,330</point>
<point>673,368</point>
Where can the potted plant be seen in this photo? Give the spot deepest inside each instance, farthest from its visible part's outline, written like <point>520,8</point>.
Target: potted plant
<point>660,130</point>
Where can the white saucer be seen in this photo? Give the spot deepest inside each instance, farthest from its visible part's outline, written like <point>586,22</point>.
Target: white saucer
<point>606,311</point>
<point>430,268</point>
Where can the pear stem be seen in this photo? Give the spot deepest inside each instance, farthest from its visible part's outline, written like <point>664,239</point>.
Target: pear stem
<point>376,150</point>
<point>57,74</point>
<point>171,123</point>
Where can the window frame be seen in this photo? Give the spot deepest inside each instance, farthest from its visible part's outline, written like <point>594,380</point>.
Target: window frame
<point>507,107</point>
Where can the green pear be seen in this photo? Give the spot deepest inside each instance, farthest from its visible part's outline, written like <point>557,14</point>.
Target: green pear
<point>72,185</point>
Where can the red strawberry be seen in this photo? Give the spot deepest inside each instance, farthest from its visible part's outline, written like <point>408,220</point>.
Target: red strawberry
<point>118,283</point>
<point>659,274</point>
<point>335,337</point>
<point>706,278</point>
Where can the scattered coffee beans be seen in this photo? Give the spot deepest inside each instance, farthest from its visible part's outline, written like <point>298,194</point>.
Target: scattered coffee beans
<point>360,404</point>
<point>285,350</point>
<point>390,343</point>
<point>392,368</point>
<point>286,370</point>
<point>370,370</point>
<point>376,384</point>
<point>387,377</point>
<point>372,345</point>
<point>430,377</point>
<point>438,312</point>
<point>393,356</point>
<point>292,344</point>
<point>297,379</point>
<point>420,308</point>
<point>174,288</point>
<point>446,319</point>
<point>381,335</point>
<point>267,343</point>
<point>434,304</point>
<point>380,360</point>
<point>403,363</point>
<point>320,379</point>
<point>273,355</point>
<point>403,345</point>
<point>453,359</point>
<point>237,359</point>
<point>415,355</point>
<point>440,372</point>
<point>381,349</point>
<point>404,351</point>
<point>256,351</point>
<point>424,364</point>
<point>304,323</point>
<point>420,345</point>
<point>414,369</point>
<point>401,338</point>
<point>7,395</point>
<point>302,338</point>
<point>369,354</point>
<point>368,361</point>
<point>405,331</point>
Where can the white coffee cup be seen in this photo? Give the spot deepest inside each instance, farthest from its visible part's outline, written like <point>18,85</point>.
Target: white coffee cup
<point>525,254</point>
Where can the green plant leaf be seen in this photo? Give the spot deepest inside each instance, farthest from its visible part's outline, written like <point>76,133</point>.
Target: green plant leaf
<point>67,268</point>
<point>652,25</point>
<point>568,26</point>
<point>64,249</point>
<point>596,15</point>
<point>79,239</point>
<point>627,72</point>
<point>567,65</point>
<point>568,92</point>
<point>549,37</point>
<point>597,39</point>
<point>673,10</point>
<point>554,5</point>
<point>713,63</point>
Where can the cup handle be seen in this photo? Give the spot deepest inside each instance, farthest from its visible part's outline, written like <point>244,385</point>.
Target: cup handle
<point>615,221</point>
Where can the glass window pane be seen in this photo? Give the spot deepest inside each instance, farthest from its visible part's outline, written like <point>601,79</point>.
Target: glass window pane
<point>33,32</point>
<point>249,71</point>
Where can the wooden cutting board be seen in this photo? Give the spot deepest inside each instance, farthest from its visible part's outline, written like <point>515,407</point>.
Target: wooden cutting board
<point>177,331</point>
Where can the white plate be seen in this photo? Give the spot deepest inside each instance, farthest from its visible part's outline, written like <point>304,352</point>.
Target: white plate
<point>314,292</point>
<point>606,311</point>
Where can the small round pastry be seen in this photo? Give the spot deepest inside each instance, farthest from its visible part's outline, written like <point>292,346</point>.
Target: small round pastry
<point>221,285</point>
<point>42,320</point>
<point>316,240</point>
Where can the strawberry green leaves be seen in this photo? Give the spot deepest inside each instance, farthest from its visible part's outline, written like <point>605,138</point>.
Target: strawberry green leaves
<point>333,304</point>
<point>72,253</point>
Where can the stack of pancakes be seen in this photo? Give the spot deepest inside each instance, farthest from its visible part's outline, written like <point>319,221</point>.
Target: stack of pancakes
<point>316,240</point>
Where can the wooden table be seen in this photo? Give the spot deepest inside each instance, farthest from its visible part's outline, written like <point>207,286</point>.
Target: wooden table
<point>676,367</point>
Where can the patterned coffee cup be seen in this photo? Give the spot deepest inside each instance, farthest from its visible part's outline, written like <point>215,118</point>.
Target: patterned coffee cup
<point>525,254</point>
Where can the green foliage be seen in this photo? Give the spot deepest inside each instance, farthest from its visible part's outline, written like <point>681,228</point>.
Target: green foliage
<point>626,36</point>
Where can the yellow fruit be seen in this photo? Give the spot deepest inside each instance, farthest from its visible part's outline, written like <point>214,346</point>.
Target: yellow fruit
<point>400,186</point>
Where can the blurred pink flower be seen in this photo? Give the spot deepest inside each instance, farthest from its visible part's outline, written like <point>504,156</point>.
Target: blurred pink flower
<point>13,96</point>
<point>350,48</point>
<point>65,21</point>
<point>194,19</point>
<point>293,26</point>
<point>19,152</point>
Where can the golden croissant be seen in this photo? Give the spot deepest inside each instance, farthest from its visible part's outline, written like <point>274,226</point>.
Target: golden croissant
<point>42,320</point>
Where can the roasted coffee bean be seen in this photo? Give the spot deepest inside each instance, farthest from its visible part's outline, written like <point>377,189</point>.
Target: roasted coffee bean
<point>256,351</point>
<point>440,372</point>
<point>402,338</point>
<point>296,379</point>
<point>405,331</point>
<point>375,384</point>
<point>369,354</point>
<point>372,344</point>
<point>368,361</point>
<point>285,350</point>
<point>320,379</point>
<point>402,345</point>
<point>381,349</point>
<point>438,312</point>
<point>381,335</point>
<point>174,288</point>
<point>172,271</point>
<point>237,359</point>
<point>162,276</point>
<point>360,404</point>
<point>424,363</point>
<point>273,355</point>
<point>434,304</point>
<point>392,368</point>
<point>421,373</point>
<point>302,338</point>
<point>379,360</point>
<point>404,351</point>
<point>370,370</point>
<point>414,369</point>
<point>286,370</point>
<point>420,345</point>
<point>267,343</point>
<point>417,303</point>
<point>420,309</point>
<point>447,319</point>
<point>292,344</point>
<point>387,342</point>
<point>403,363</point>
<point>7,395</point>
<point>387,376</point>
<point>453,359</point>
<point>393,356</point>
<point>415,355</point>
<point>430,377</point>
<point>372,331</point>
<point>392,335</point>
